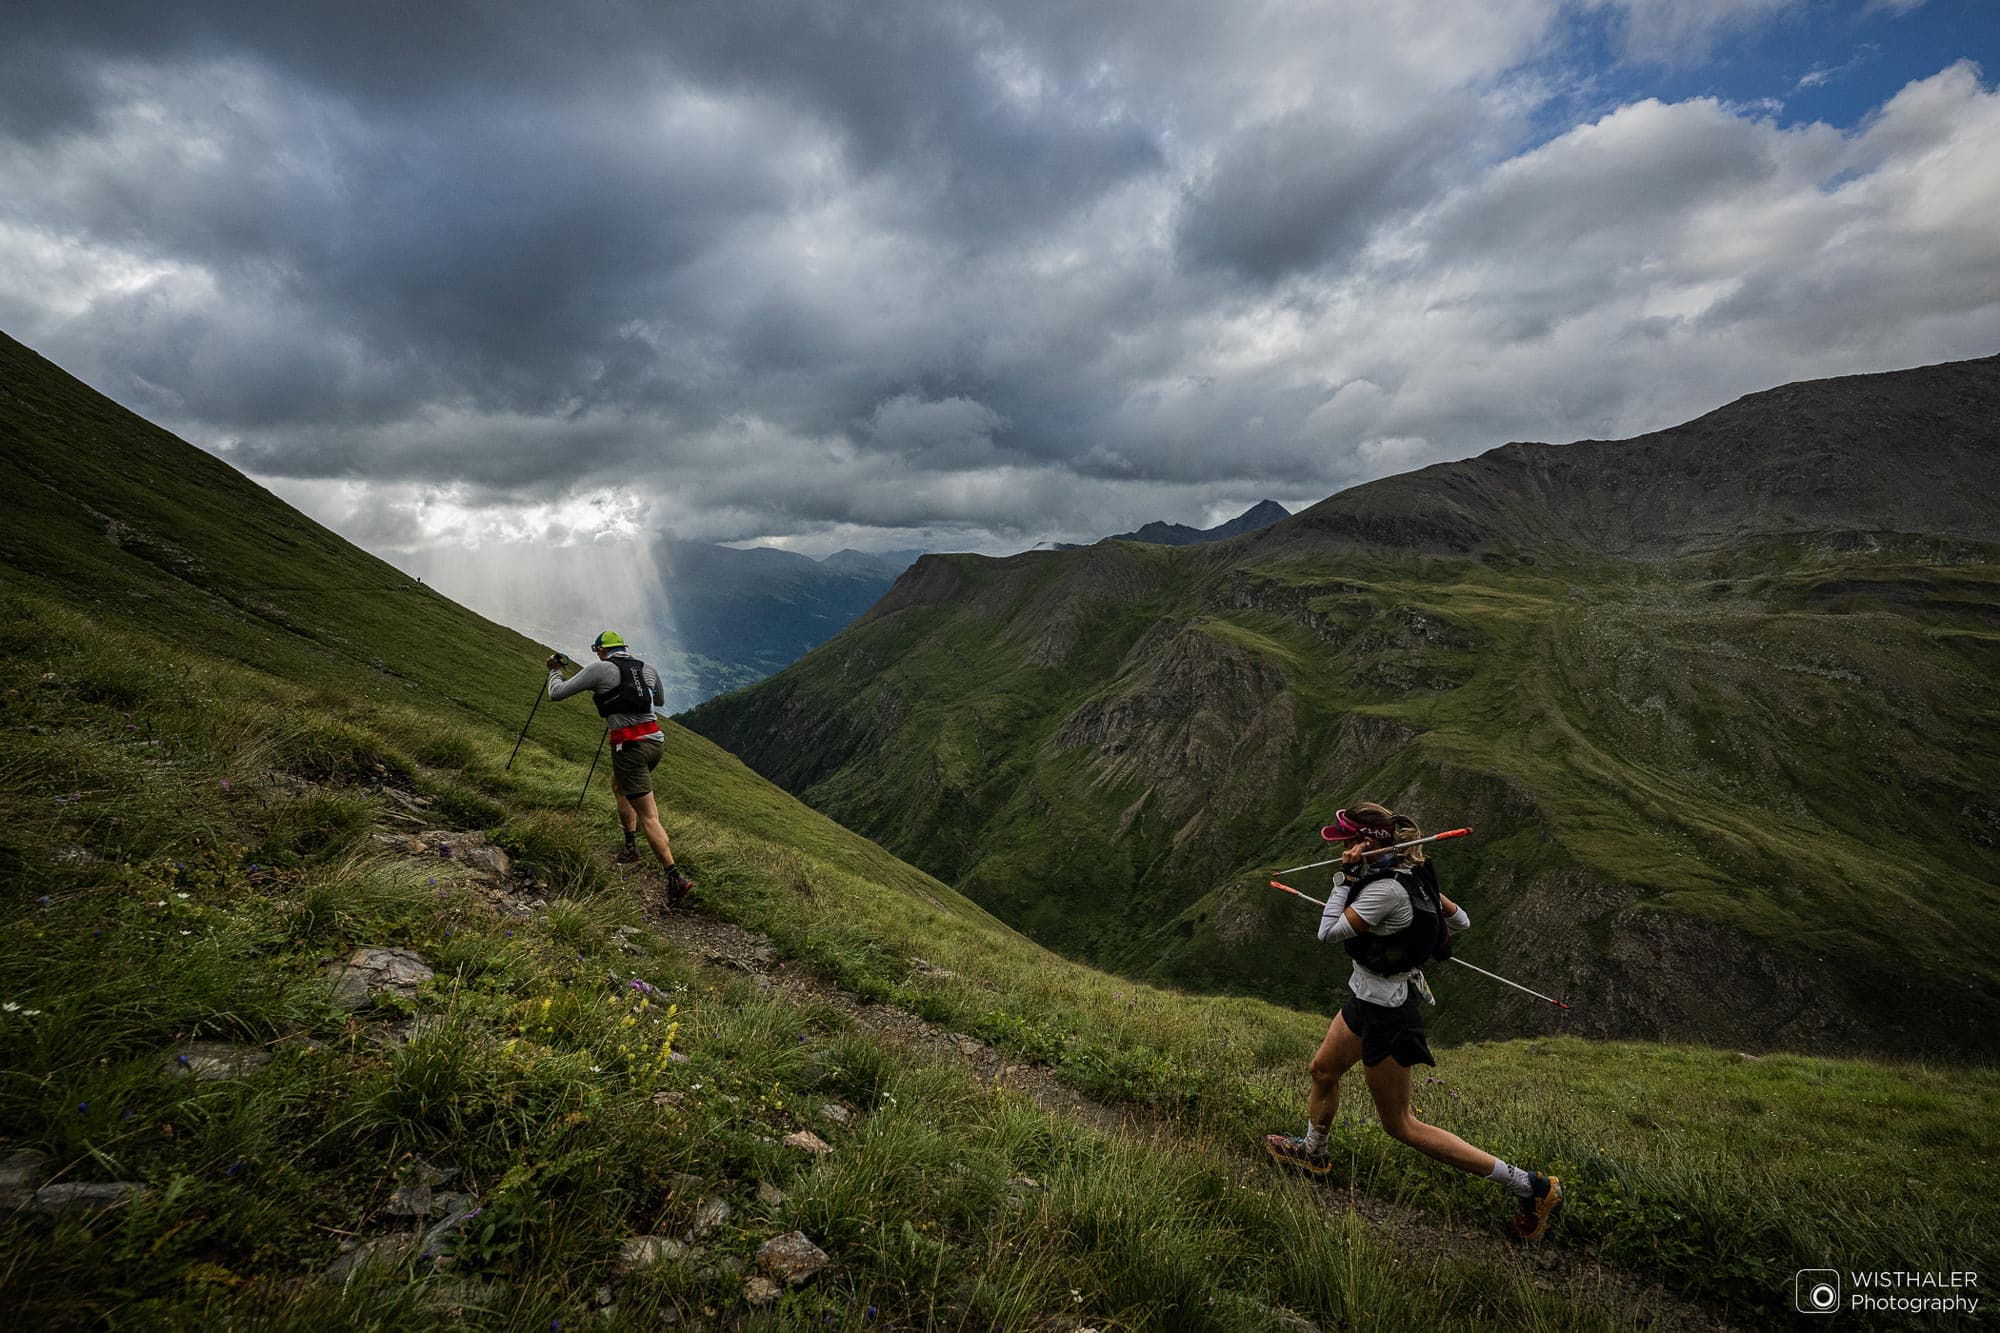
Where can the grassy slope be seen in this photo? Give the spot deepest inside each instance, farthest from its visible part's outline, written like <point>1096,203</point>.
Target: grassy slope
<point>1769,761</point>
<point>248,777</point>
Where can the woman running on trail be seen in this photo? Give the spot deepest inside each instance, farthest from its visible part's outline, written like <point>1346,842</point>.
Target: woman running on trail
<point>1387,910</point>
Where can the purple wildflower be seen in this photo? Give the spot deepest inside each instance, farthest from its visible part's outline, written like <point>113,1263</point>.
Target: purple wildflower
<point>235,1167</point>
<point>225,784</point>
<point>44,900</point>
<point>82,1107</point>
<point>98,933</point>
<point>183,1061</point>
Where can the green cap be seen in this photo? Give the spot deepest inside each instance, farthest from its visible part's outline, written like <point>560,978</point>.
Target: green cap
<point>608,639</point>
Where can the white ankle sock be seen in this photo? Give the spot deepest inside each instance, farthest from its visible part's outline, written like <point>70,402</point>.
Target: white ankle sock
<point>1315,1137</point>
<point>1513,1177</point>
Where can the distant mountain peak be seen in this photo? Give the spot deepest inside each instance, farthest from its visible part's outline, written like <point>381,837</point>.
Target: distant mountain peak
<point>1260,515</point>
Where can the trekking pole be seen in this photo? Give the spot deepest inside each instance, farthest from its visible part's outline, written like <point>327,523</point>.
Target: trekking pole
<point>1460,961</point>
<point>1414,842</point>
<point>593,770</point>
<point>524,726</point>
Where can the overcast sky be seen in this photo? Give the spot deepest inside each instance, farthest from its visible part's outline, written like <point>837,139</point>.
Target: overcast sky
<point>969,275</point>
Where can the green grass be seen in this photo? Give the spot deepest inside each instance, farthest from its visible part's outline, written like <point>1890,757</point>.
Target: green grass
<point>1786,784</point>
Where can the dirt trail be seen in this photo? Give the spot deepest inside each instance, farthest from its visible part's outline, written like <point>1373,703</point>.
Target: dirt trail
<point>719,943</point>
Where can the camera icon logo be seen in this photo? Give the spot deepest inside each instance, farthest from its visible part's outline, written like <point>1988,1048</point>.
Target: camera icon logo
<point>1816,1291</point>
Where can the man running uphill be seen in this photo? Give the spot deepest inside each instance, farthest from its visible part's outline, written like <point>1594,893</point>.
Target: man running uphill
<point>1387,910</point>
<point>625,691</point>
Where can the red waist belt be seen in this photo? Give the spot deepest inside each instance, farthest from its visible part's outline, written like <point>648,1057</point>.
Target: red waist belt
<point>638,732</point>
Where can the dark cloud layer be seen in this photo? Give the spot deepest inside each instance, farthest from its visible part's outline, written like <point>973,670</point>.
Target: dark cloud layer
<point>842,275</point>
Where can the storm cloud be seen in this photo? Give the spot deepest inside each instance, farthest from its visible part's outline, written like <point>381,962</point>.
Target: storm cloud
<point>944,275</point>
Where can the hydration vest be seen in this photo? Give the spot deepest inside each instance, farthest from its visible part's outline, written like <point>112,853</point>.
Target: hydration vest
<point>630,694</point>
<point>1425,938</point>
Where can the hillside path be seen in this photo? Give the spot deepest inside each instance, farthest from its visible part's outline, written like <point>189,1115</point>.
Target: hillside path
<point>723,944</point>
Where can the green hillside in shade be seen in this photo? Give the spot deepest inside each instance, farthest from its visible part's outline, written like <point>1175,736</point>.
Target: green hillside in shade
<point>1718,702</point>
<point>219,726</point>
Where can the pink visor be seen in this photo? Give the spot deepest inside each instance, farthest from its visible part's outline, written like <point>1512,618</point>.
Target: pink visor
<point>1344,829</point>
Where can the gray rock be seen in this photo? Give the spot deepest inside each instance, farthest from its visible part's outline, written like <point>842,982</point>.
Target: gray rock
<point>643,1252</point>
<point>85,1197</point>
<point>759,1291</point>
<point>791,1258</point>
<point>770,1195</point>
<point>682,1182</point>
<point>710,1217</point>
<point>410,1201</point>
<point>446,1202</point>
<point>210,1060</point>
<point>20,1172</point>
<point>463,1209</point>
<point>382,1252</point>
<point>807,1141</point>
<point>490,859</point>
<point>371,972</point>
<point>838,1114</point>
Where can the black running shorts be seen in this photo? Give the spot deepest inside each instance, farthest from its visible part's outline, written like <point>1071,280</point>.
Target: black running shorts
<point>1386,1031</point>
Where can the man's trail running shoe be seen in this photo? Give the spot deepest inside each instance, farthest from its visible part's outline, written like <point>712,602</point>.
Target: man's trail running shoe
<point>679,885</point>
<point>1290,1150</point>
<point>1536,1211</point>
<point>625,856</point>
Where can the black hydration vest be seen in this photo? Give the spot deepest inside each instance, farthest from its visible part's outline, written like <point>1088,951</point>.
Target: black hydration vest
<point>1414,945</point>
<point>630,694</point>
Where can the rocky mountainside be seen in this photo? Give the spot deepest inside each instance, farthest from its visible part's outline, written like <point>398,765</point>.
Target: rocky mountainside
<point>1857,458</point>
<point>1684,686</point>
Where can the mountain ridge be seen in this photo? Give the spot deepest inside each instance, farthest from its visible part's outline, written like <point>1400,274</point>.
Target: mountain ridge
<point>1675,491</point>
<point>1157,533</point>
<point>1102,745</point>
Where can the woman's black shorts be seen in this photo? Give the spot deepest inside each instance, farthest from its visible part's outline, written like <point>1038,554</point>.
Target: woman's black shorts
<point>1385,1030</point>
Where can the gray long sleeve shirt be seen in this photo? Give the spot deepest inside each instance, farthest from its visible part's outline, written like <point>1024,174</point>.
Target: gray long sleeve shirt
<point>604,676</point>
<point>1382,904</point>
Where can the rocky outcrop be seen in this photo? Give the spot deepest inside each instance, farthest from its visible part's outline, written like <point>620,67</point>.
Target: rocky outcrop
<point>368,973</point>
